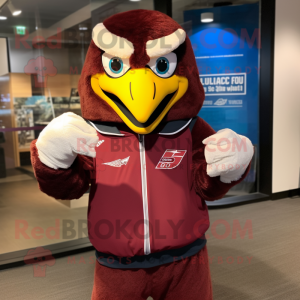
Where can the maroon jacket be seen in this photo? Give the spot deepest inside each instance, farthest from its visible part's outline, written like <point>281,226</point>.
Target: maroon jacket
<point>160,177</point>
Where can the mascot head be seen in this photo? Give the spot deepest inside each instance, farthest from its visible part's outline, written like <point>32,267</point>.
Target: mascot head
<point>140,69</point>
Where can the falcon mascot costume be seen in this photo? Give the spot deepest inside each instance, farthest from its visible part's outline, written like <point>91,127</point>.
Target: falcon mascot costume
<point>150,161</point>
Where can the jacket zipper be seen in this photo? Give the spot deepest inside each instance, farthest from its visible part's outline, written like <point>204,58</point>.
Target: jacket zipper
<point>147,249</point>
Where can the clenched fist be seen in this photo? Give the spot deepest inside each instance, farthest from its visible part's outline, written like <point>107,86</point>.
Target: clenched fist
<point>65,137</point>
<point>227,155</point>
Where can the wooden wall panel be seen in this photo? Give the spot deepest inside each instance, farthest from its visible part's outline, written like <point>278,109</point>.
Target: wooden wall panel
<point>60,85</point>
<point>6,121</point>
<point>20,86</point>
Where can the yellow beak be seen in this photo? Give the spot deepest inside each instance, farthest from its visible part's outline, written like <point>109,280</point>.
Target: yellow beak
<point>140,97</point>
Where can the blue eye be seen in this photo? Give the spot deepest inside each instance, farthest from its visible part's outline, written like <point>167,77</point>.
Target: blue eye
<point>116,65</point>
<point>162,65</point>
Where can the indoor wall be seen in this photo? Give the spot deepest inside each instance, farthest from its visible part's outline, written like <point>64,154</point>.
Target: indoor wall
<point>286,120</point>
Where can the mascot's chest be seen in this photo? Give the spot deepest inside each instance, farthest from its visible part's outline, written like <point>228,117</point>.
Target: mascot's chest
<point>158,160</point>
<point>143,180</point>
<point>134,158</point>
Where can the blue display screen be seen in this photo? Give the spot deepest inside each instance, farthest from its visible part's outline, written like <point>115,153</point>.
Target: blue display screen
<point>227,56</point>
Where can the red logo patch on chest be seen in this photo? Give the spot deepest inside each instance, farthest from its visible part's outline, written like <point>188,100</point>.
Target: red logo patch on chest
<point>171,159</point>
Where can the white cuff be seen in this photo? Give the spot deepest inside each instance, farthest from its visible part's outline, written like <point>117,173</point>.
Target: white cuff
<point>225,179</point>
<point>55,163</point>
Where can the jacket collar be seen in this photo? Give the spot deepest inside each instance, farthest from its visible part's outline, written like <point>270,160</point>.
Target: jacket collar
<point>106,128</point>
<point>173,127</point>
<point>169,128</point>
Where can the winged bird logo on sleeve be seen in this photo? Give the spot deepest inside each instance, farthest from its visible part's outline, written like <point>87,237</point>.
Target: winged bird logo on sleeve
<point>118,163</point>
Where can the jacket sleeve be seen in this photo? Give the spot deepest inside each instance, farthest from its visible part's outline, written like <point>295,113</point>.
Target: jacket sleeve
<point>65,184</point>
<point>209,188</point>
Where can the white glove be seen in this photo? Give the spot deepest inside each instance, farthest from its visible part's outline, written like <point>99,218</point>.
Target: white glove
<point>228,155</point>
<point>64,137</point>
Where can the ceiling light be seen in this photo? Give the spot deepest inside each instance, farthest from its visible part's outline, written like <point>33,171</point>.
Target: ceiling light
<point>207,17</point>
<point>3,18</point>
<point>134,0</point>
<point>83,28</point>
<point>13,10</point>
<point>17,12</point>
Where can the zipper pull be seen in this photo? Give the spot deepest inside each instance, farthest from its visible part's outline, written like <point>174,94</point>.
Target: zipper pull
<point>140,138</point>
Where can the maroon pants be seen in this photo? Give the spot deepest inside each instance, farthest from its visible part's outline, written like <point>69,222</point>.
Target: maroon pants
<point>186,279</point>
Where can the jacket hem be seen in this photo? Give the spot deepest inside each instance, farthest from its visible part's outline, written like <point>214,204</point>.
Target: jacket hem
<point>151,260</point>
